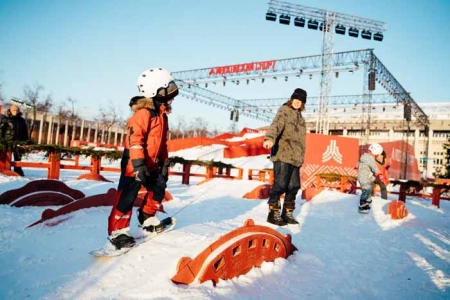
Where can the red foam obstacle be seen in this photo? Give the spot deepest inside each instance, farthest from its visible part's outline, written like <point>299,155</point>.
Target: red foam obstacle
<point>106,199</point>
<point>309,193</point>
<point>235,254</point>
<point>8,173</point>
<point>397,210</point>
<point>93,176</point>
<point>260,192</point>
<point>41,193</point>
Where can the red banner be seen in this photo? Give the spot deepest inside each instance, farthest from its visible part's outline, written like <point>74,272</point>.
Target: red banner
<point>240,68</point>
<point>329,154</point>
<point>403,161</point>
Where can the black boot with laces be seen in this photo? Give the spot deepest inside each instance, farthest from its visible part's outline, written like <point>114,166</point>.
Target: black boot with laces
<point>274,216</point>
<point>288,216</point>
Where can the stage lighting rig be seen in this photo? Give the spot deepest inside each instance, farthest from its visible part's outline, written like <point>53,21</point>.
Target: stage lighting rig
<point>329,23</point>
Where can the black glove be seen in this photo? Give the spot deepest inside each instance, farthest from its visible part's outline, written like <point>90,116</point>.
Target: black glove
<point>165,169</point>
<point>140,170</point>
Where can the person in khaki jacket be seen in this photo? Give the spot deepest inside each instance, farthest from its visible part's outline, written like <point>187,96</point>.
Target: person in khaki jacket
<point>286,137</point>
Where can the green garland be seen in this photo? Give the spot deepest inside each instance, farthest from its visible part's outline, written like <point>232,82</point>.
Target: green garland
<point>30,145</point>
<point>210,163</point>
<point>330,177</point>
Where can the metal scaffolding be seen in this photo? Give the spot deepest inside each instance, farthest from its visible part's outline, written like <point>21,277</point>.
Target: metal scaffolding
<point>330,22</point>
<point>194,83</point>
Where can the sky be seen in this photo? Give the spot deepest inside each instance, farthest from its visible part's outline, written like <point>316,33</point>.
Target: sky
<point>94,51</point>
<point>342,255</point>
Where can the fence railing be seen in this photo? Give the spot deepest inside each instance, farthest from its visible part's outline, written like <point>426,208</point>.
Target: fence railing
<point>54,166</point>
<point>440,189</point>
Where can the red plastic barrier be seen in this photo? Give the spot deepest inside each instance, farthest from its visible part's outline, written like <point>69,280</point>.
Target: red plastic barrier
<point>235,254</point>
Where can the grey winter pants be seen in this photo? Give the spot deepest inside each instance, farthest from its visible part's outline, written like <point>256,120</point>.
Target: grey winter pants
<point>286,181</point>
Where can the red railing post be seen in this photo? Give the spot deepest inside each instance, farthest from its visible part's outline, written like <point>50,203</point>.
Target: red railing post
<point>435,197</point>
<point>5,160</point>
<point>344,182</point>
<point>54,167</point>
<point>95,165</point>
<point>186,174</point>
<point>240,173</point>
<point>209,172</point>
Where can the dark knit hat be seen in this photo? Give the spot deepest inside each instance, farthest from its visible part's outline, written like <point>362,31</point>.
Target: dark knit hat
<point>300,95</point>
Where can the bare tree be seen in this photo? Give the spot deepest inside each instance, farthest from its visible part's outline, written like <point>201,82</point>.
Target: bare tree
<point>108,117</point>
<point>198,127</point>
<point>177,130</point>
<point>31,97</point>
<point>62,112</point>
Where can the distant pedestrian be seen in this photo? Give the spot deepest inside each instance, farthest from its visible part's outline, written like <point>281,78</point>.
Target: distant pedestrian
<point>144,160</point>
<point>367,172</point>
<point>286,137</point>
<point>14,128</point>
<point>383,163</point>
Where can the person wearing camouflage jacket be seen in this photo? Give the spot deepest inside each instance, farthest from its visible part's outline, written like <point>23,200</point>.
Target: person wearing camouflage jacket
<point>286,137</point>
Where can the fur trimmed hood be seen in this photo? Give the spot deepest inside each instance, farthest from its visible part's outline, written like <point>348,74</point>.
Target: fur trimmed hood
<point>143,103</point>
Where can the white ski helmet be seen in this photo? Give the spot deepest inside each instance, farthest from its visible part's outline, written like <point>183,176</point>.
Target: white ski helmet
<point>157,83</point>
<point>376,149</point>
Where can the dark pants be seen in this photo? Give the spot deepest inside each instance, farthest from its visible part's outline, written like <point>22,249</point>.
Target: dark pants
<point>286,181</point>
<point>365,194</point>
<point>17,155</point>
<point>129,188</point>
<point>383,190</point>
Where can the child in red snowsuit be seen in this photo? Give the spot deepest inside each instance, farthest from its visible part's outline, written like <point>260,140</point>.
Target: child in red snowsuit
<point>144,157</point>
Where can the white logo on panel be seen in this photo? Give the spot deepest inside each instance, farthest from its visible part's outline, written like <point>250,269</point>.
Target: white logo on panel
<point>332,152</point>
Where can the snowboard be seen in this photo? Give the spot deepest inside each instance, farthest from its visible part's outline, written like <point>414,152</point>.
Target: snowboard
<point>110,251</point>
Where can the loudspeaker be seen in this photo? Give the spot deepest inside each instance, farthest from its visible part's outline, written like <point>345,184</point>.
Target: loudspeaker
<point>407,112</point>
<point>372,80</point>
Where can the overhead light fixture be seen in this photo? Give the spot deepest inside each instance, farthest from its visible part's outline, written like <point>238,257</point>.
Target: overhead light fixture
<point>366,34</point>
<point>378,36</point>
<point>324,25</point>
<point>313,24</point>
<point>340,29</point>
<point>353,32</point>
<point>285,19</point>
<point>285,78</point>
<point>271,16</point>
<point>299,22</point>
<point>310,76</point>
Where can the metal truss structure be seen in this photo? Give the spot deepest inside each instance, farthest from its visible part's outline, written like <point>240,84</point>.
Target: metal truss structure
<point>330,22</point>
<point>189,81</point>
<point>335,101</point>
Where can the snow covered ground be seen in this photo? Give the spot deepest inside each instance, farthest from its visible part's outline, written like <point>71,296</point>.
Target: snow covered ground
<point>341,254</point>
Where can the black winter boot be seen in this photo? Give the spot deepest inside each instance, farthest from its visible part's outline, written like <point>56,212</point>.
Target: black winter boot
<point>122,240</point>
<point>149,223</point>
<point>288,216</point>
<point>274,216</point>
